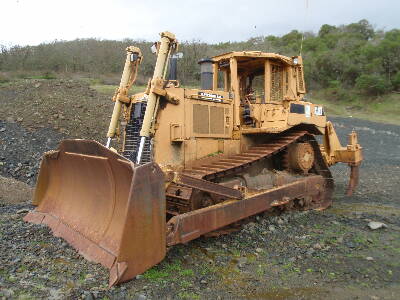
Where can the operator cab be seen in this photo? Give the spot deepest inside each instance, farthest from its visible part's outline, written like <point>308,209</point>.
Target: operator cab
<point>259,77</point>
<point>267,90</point>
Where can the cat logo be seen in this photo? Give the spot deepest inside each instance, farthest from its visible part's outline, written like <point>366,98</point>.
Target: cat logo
<point>210,97</point>
<point>318,111</point>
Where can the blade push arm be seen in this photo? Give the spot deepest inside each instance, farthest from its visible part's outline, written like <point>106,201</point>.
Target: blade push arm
<point>132,62</point>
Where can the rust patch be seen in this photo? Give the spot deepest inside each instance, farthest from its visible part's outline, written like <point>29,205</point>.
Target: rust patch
<point>354,178</point>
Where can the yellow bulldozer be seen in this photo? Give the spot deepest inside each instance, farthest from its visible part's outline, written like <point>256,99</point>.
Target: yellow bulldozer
<point>192,161</point>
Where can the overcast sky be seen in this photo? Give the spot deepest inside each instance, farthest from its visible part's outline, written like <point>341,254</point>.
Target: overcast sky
<point>34,21</point>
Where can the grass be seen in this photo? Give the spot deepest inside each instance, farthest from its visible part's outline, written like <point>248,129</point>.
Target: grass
<point>260,270</point>
<point>25,296</point>
<point>384,109</point>
<point>188,295</point>
<point>155,275</point>
<point>186,272</point>
<point>169,272</point>
<point>214,154</point>
<point>235,252</point>
<point>46,75</point>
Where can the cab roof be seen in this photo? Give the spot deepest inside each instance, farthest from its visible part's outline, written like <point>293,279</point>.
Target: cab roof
<point>243,56</point>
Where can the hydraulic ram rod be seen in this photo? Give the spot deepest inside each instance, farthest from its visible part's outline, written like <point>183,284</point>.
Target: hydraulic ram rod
<point>167,40</point>
<point>133,59</point>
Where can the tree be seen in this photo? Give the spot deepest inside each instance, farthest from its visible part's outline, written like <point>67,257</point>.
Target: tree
<point>325,30</point>
<point>352,55</point>
<point>362,28</point>
<point>373,84</point>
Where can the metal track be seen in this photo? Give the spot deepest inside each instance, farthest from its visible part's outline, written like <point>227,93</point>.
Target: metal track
<point>179,196</point>
<point>132,134</point>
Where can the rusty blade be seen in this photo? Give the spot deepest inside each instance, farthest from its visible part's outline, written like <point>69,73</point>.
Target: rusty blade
<point>353,180</point>
<point>109,210</point>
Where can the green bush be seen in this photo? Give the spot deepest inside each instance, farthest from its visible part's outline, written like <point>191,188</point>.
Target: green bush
<point>45,75</point>
<point>335,91</point>
<point>396,81</point>
<point>334,84</point>
<point>373,84</point>
<point>4,78</point>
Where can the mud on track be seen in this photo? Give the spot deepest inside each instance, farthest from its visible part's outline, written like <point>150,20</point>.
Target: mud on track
<point>308,255</point>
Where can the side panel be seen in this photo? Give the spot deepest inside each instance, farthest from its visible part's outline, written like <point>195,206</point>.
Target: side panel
<point>199,125</point>
<point>306,113</point>
<point>270,115</point>
<point>170,132</point>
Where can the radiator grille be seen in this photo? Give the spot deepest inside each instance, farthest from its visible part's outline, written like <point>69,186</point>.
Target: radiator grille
<point>276,83</point>
<point>286,81</point>
<point>200,119</point>
<point>216,120</point>
<point>300,81</point>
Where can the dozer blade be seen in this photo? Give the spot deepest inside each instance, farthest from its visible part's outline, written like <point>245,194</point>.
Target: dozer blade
<point>109,210</point>
<point>354,177</point>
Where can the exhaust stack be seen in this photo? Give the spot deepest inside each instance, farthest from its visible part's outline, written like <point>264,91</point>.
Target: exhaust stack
<point>206,73</point>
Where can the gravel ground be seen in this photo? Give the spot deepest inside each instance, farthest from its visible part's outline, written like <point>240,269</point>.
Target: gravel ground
<point>37,114</point>
<point>299,255</point>
<point>14,191</point>
<point>21,149</point>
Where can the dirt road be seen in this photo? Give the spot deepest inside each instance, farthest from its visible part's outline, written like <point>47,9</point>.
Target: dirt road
<point>309,255</point>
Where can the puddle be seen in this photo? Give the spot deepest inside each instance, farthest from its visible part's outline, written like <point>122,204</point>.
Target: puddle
<point>290,293</point>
